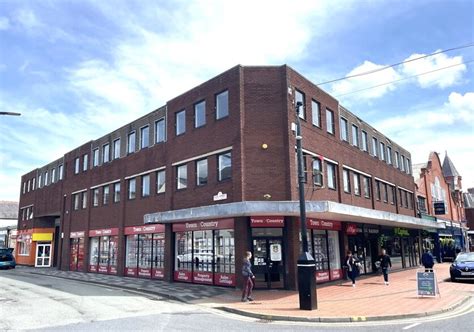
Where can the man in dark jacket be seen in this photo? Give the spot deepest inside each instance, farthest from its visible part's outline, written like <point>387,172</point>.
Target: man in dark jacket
<point>385,263</point>
<point>427,261</point>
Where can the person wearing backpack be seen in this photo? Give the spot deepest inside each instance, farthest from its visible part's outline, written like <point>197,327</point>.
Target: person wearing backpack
<point>427,260</point>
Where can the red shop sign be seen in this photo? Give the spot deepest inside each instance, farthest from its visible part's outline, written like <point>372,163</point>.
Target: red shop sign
<point>351,229</point>
<point>224,279</point>
<point>267,221</point>
<point>103,232</point>
<point>202,277</point>
<point>204,225</point>
<point>76,235</point>
<point>145,229</point>
<point>158,273</point>
<point>185,276</point>
<point>322,276</point>
<point>324,224</point>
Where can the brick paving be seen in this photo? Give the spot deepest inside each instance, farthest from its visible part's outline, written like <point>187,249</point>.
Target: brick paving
<point>369,299</point>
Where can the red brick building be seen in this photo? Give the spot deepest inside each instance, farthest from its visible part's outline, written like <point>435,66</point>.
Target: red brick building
<point>181,193</point>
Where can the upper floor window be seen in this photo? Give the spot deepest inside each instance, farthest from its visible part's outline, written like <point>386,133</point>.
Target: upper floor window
<point>182,177</point>
<point>76,165</point>
<point>131,142</point>
<point>224,165</point>
<point>117,148</point>
<point>299,98</point>
<point>106,195</point>
<point>33,181</point>
<point>116,192</point>
<point>40,182</point>
<point>393,192</point>
<point>346,181</point>
<point>200,114</point>
<point>61,174</point>
<point>344,130</point>
<point>180,122</point>
<point>330,126</point>
<point>396,159</point>
<point>374,146</point>
<point>367,186</point>
<point>160,181</point>
<point>95,197</point>
<point>385,193</point>
<point>222,105</point>
<point>95,157</point>
<point>201,172</point>
<point>389,155</point>
<point>53,177</point>
<point>85,162</point>
<point>407,167</point>
<point>355,135</point>
<point>402,163</point>
<point>105,153</point>
<point>144,137</point>
<point>422,204</point>
<point>317,172</point>
<point>146,185</point>
<point>84,199</point>
<point>377,190</point>
<point>160,131</point>
<point>331,175</point>
<point>132,188</point>
<point>356,180</point>
<point>382,151</point>
<point>46,180</point>
<point>76,200</point>
<point>316,113</point>
<point>365,142</point>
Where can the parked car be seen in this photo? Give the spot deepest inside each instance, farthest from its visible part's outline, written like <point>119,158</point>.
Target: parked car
<point>7,261</point>
<point>463,267</point>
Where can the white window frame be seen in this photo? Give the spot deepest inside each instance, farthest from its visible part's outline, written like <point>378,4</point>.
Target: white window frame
<point>146,185</point>
<point>355,136</point>
<point>197,108</point>
<point>302,109</point>
<point>132,188</point>
<point>344,129</point>
<point>316,113</point>
<point>220,166</point>
<point>157,131</point>
<point>117,144</point>
<point>144,141</point>
<point>95,157</point>
<point>105,153</point>
<point>85,162</point>
<point>76,165</point>
<point>160,188</point>
<point>198,171</point>
<point>131,148</point>
<point>181,173</point>
<point>330,127</point>
<point>219,114</point>
<point>180,116</point>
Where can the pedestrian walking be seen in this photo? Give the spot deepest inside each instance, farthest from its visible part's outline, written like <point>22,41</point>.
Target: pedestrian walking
<point>385,264</point>
<point>249,277</point>
<point>352,264</point>
<point>427,260</point>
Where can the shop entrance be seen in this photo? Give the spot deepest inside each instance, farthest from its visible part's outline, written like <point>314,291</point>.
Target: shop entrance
<point>268,262</point>
<point>43,255</point>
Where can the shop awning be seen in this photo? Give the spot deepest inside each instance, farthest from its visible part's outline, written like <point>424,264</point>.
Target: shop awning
<point>314,209</point>
<point>42,237</point>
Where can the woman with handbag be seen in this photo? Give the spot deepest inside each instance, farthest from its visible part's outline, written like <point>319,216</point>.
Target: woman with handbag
<point>352,264</point>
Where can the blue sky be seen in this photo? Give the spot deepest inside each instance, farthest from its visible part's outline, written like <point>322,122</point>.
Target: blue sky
<point>79,69</point>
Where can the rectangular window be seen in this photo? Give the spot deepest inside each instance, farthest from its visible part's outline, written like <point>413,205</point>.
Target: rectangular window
<point>116,192</point>
<point>344,135</point>
<point>105,153</point>
<point>222,105</point>
<point>299,97</point>
<point>84,199</point>
<point>224,166</point>
<point>53,177</point>
<point>131,142</point>
<point>316,113</point>
<point>397,158</point>
<point>382,151</point>
<point>117,148</point>
<point>61,174</point>
<point>132,187</point>
<point>400,194</point>
<point>95,157</point>
<point>95,197</point>
<point>393,194</point>
<point>374,146</point>
<point>422,204</point>
<point>377,190</point>
<point>144,137</point>
<point>356,180</point>
<point>330,121</point>
<point>180,122</point>
<point>402,164</point>
<point>385,193</point>
<point>160,131</point>
<point>346,181</point>
<point>33,181</point>
<point>106,195</point>
<point>317,172</point>
<point>182,177</point>
<point>406,199</point>
<point>46,181</point>
<point>160,181</point>
<point>355,135</point>
<point>29,184</point>
<point>407,167</point>
<point>389,155</point>
<point>366,186</point>
<point>40,183</point>
<point>85,162</point>
<point>365,145</point>
<point>146,185</point>
<point>200,114</point>
<point>76,201</point>
<point>331,173</point>
<point>201,172</point>
<point>24,187</point>
<point>76,165</point>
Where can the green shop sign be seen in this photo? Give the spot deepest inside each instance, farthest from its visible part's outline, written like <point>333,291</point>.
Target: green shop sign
<point>401,231</point>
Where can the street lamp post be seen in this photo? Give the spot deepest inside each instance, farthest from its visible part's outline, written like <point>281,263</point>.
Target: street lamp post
<point>306,264</point>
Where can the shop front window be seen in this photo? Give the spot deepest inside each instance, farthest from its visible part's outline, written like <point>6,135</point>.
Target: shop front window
<point>113,254</point>
<point>159,251</point>
<point>131,255</point>
<point>224,250</point>
<point>184,253</point>
<point>144,254</point>
<point>202,251</point>
<point>104,254</point>
<point>94,254</point>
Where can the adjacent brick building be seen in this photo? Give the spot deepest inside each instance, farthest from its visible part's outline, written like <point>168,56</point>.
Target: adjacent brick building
<point>181,193</point>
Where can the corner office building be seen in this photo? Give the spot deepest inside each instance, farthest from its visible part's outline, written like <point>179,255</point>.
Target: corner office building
<point>181,193</point>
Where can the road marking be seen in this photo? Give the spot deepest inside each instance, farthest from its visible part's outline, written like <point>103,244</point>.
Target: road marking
<point>410,326</point>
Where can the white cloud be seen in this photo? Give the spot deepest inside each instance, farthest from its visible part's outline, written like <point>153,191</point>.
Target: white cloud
<point>4,23</point>
<point>27,19</point>
<point>442,78</point>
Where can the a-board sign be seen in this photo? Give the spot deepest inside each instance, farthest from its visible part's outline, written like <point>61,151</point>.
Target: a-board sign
<point>426,283</point>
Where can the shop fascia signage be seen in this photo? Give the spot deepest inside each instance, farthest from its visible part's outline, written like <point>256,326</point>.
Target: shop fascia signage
<point>351,229</point>
<point>401,232</point>
<point>323,224</point>
<point>75,235</point>
<point>103,232</point>
<point>144,229</point>
<point>203,225</point>
<point>265,221</point>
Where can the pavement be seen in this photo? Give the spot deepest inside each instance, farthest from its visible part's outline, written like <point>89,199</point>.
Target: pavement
<point>371,299</point>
